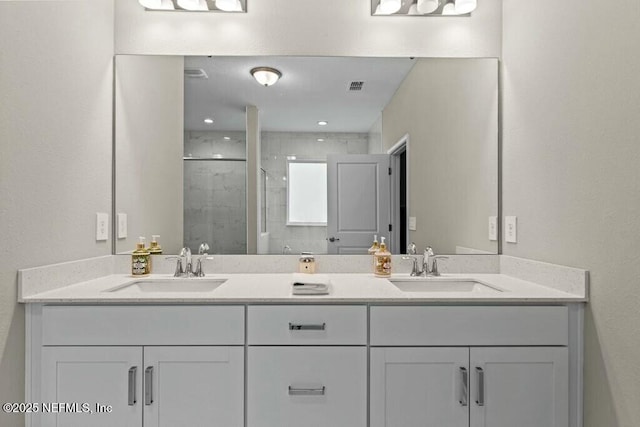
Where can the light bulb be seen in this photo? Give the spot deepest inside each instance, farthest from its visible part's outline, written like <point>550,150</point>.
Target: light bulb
<point>229,5</point>
<point>387,7</point>
<point>157,4</point>
<point>428,6</point>
<point>465,6</point>
<point>449,9</point>
<point>193,4</point>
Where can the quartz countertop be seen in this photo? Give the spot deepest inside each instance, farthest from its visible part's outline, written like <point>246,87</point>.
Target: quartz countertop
<point>277,288</point>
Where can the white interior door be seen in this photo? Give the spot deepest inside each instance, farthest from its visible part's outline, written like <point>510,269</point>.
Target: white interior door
<point>358,201</point>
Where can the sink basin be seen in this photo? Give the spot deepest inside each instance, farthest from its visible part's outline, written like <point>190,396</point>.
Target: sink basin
<point>169,285</point>
<point>437,284</point>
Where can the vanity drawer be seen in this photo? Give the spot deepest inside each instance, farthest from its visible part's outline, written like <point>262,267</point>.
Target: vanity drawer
<point>307,386</point>
<point>307,325</point>
<point>143,325</point>
<point>469,325</point>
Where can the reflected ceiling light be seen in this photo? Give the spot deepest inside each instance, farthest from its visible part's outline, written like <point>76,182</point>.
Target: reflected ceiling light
<point>227,138</point>
<point>229,5</point>
<point>427,6</point>
<point>387,7</point>
<point>157,4</point>
<point>465,6</point>
<point>208,120</point>
<point>323,122</point>
<point>320,139</point>
<point>193,5</point>
<point>266,76</point>
<point>449,9</point>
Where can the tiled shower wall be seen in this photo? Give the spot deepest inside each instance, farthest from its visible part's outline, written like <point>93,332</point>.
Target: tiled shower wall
<point>276,147</point>
<point>215,192</point>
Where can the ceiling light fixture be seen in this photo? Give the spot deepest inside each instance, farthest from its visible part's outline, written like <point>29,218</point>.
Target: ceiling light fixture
<point>229,5</point>
<point>157,4</point>
<point>323,123</point>
<point>227,138</point>
<point>427,6</point>
<point>449,9</point>
<point>423,7</point>
<point>320,139</point>
<point>208,121</point>
<point>387,7</point>
<point>465,6</point>
<point>266,76</point>
<point>193,5</point>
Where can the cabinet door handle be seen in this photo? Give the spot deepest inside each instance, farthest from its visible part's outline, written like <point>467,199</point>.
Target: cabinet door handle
<point>132,385</point>
<point>303,327</point>
<point>464,392</point>
<point>148,385</point>
<point>480,398</point>
<point>306,391</point>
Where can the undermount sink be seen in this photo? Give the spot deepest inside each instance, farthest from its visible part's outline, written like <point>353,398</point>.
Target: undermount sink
<point>169,285</point>
<point>442,284</point>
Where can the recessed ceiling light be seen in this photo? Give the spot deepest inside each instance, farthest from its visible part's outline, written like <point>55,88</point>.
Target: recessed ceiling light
<point>208,121</point>
<point>320,139</point>
<point>227,138</point>
<point>323,122</point>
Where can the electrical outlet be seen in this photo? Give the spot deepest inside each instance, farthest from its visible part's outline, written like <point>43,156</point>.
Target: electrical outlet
<point>102,227</point>
<point>510,229</point>
<point>493,228</point>
<point>412,223</point>
<point>122,225</point>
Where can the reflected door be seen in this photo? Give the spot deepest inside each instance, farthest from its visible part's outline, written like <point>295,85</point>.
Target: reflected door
<point>358,201</point>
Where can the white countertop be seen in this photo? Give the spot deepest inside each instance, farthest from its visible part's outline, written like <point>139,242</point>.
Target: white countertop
<point>277,288</point>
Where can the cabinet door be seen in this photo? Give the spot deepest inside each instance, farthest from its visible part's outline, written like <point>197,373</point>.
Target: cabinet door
<point>91,375</point>
<point>419,387</point>
<point>307,387</point>
<point>519,386</point>
<point>193,386</point>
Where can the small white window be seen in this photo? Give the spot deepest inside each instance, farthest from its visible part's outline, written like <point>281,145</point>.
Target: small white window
<point>306,193</point>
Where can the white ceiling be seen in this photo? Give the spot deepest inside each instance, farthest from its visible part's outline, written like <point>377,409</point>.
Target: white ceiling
<point>311,89</point>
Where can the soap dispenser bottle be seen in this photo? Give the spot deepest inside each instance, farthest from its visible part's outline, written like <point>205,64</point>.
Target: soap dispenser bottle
<point>382,261</point>
<point>375,246</point>
<point>154,246</point>
<point>140,259</point>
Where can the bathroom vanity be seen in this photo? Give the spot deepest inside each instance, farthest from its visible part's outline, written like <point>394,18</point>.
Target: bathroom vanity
<point>248,353</point>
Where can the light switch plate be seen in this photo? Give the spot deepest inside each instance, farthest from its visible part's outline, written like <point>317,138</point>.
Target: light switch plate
<point>493,228</point>
<point>412,223</point>
<point>102,227</point>
<point>510,229</point>
<point>122,225</point>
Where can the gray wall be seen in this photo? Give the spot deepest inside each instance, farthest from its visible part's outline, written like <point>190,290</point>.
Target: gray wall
<point>572,173</point>
<point>56,80</point>
<point>449,108</point>
<point>149,102</point>
<point>215,192</point>
<point>276,147</point>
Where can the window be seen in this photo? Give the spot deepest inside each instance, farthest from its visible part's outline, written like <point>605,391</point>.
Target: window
<point>306,193</point>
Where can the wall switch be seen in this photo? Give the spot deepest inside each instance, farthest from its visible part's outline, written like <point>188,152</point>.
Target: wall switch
<point>493,228</point>
<point>511,229</point>
<point>412,223</point>
<point>122,225</point>
<point>102,227</point>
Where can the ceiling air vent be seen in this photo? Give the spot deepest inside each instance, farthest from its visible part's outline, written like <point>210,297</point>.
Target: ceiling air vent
<point>355,86</point>
<point>195,73</point>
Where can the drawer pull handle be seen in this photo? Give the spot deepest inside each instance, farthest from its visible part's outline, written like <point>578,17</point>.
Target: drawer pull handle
<point>306,391</point>
<point>303,327</point>
<point>132,385</point>
<point>148,385</point>
<point>480,399</point>
<point>464,400</point>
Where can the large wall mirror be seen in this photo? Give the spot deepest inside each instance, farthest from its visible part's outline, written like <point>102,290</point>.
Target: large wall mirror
<point>205,154</point>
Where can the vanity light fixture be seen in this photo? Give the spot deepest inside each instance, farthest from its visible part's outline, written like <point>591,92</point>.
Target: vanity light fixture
<point>423,7</point>
<point>195,5</point>
<point>208,121</point>
<point>323,123</point>
<point>266,76</point>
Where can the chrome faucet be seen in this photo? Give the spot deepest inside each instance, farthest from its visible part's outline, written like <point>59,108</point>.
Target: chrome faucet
<point>186,254</point>
<point>411,252</point>
<point>430,262</point>
<point>185,269</point>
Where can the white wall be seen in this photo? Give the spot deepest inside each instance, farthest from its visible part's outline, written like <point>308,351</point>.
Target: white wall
<point>449,108</point>
<point>572,173</point>
<point>149,103</point>
<point>307,27</point>
<point>55,151</point>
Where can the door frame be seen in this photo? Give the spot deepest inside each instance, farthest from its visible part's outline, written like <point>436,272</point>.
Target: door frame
<point>395,151</point>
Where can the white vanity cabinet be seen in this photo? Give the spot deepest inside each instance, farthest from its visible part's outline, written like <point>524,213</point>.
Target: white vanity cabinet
<point>307,366</point>
<point>469,366</point>
<point>186,369</point>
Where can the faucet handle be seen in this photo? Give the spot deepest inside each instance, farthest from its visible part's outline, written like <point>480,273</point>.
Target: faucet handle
<point>199,270</point>
<point>179,270</point>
